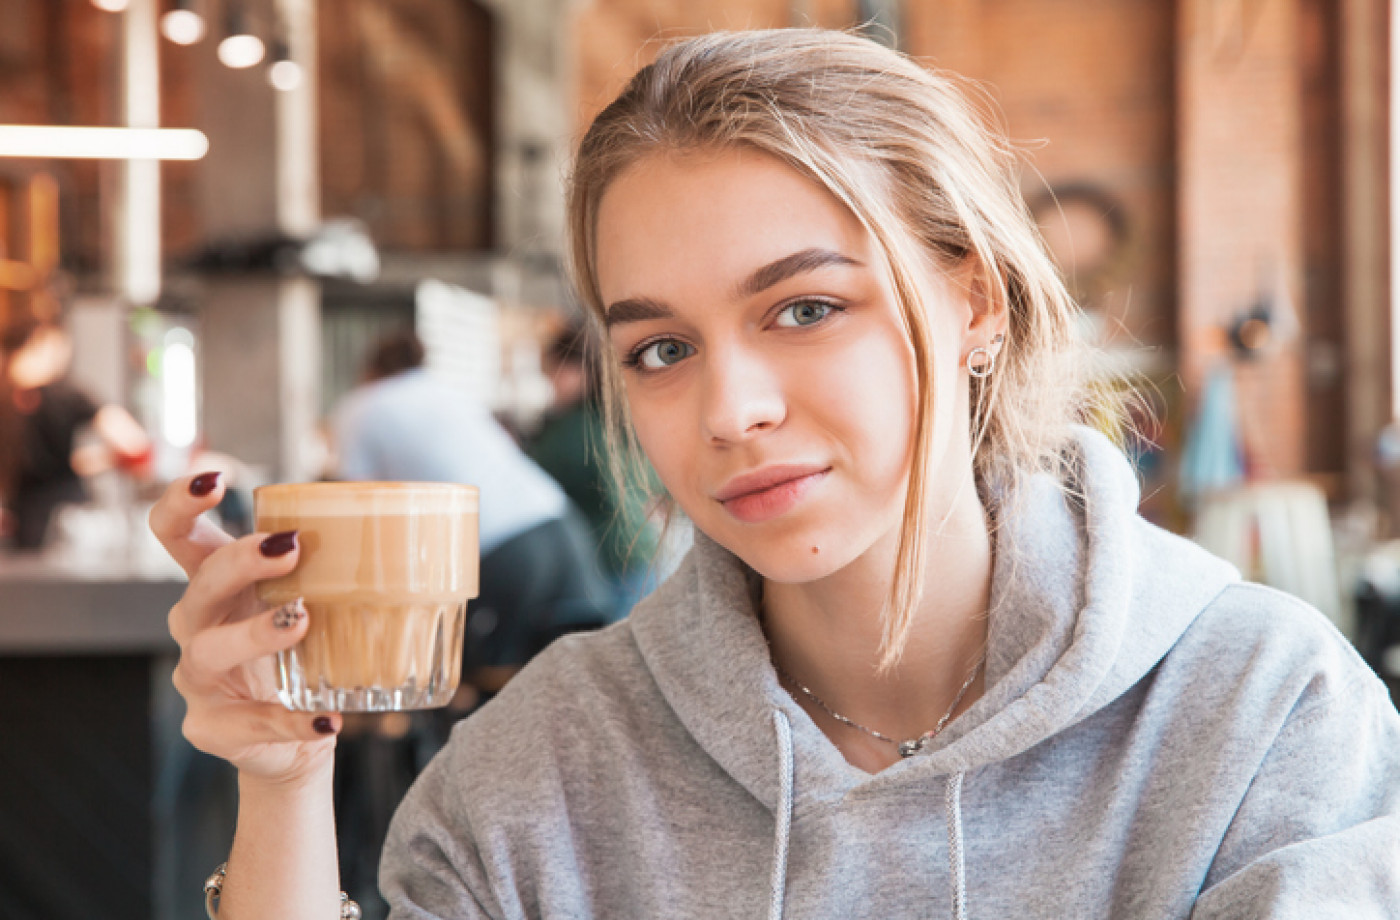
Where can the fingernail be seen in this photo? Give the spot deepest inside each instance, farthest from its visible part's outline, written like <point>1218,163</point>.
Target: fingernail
<point>203,484</point>
<point>279,544</point>
<point>289,614</point>
<point>324,725</point>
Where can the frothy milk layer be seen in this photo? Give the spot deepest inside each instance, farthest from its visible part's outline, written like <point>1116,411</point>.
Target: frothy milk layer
<point>341,499</point>
<point>387,543</point>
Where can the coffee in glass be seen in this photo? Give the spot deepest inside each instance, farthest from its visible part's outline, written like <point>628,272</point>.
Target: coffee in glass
<point>385,572</point>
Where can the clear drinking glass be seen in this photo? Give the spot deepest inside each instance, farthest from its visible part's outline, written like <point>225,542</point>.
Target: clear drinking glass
<point>386,571</point>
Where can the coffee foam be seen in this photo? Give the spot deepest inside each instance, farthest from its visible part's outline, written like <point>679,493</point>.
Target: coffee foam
<point>340,499</point>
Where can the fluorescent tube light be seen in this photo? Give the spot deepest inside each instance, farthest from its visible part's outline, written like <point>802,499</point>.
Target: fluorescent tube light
<point>55,142</point>
<point>178,383</point>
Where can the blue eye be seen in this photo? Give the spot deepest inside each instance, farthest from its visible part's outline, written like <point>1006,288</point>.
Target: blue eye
<point>662,354</point>
<point>804,313</point>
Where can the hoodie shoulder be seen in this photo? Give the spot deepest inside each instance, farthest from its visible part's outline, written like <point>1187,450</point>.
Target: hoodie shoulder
<point>1272,639</point>
<point>582,690</point>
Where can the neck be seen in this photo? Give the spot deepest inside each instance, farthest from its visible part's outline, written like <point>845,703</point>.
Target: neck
<point>826,634</point>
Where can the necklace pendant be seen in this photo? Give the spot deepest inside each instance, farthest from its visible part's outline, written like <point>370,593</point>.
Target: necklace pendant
<point>910,748</point>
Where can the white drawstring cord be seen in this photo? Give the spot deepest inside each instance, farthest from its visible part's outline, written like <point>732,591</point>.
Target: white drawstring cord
<point>783,815</point>
<point>956,868</point>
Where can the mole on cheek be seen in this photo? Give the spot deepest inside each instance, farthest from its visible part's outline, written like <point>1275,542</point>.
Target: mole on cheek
<point>815,550</point>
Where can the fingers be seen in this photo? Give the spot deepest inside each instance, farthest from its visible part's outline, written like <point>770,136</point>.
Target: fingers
<point>176,520</point>
<point>229,730</point>
<point>213,652</point>
<point>227,571</point>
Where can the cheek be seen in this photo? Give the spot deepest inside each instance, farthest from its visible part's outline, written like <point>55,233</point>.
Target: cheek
<point>658,426</point>
<point>874,402</point>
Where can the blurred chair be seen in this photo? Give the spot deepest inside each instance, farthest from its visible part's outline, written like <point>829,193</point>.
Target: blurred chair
<point>1277,533</point>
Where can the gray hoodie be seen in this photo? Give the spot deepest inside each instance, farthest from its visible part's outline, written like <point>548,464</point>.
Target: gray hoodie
<point>1158,739</point>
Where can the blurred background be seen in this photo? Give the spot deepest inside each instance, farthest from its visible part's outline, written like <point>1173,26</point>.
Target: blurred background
<point>278,184</point>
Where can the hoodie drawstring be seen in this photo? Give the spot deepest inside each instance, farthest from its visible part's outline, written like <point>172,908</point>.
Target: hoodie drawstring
<point>956,866</point>
<point>783,815</point>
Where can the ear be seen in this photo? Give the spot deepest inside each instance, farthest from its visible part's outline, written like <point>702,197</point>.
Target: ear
<point>988,318</point>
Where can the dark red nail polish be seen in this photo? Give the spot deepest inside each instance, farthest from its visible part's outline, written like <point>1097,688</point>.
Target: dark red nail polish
<point>203,484</point>
<point>323,725</point>
<point>279,544</point>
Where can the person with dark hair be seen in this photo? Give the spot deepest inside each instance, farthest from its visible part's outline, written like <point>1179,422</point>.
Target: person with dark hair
<point>42,413</point>
<point>539,578</point>
<point>394,353</point>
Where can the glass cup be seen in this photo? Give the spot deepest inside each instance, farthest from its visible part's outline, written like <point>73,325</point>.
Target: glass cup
<point>386,571</point>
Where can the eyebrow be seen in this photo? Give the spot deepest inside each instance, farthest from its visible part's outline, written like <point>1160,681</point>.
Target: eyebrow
<point>639,309</point>
<point>787,267</point>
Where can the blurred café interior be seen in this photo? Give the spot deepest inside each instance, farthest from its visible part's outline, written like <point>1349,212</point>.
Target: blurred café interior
<point>210,210</point>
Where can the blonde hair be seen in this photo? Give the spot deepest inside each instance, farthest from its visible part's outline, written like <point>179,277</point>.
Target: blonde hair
<point>903,149</point>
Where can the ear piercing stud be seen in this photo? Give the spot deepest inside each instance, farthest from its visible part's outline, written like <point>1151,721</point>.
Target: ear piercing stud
<point>981,361</point>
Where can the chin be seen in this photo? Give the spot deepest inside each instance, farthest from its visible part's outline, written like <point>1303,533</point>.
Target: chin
<point>789,558</point>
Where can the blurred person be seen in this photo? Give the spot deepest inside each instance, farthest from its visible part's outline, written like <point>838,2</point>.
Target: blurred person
<point>41,414</point>
<point>539,577</point>
<point>569,447</point>
<point>924,658</point>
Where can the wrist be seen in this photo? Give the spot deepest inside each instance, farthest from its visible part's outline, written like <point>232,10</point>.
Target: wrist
<point>311,783</point>
<point>284,848</point>
<point>214,889</point>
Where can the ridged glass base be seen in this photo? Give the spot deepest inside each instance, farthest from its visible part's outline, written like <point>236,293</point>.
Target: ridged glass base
<point>373,658</point>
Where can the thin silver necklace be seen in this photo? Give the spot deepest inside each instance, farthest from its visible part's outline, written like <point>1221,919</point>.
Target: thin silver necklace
<point>906,748</point>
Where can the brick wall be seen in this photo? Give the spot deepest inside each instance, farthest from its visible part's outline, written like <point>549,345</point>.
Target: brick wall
<point>1239,198</point>
<point>613,39</point>
<point>1324,351</point>
<point>1086,87</point>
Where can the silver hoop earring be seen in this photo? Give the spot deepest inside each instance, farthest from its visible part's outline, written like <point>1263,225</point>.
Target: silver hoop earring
<point>985,362</point>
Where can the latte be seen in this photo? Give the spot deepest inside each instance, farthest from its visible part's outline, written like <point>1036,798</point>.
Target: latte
<point>385,572</point>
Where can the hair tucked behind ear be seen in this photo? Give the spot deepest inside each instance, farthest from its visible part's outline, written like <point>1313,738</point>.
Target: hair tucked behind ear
<point>901,147</point>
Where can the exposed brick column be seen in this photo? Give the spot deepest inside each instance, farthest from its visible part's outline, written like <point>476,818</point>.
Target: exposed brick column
<point>1365,254</point>
<point>1238,200</point>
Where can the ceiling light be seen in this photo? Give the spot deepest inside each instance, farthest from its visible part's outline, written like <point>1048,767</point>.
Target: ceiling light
<point>285,73</point>
<point>112,6</point>
<point>241,51</point>
<point>55,142</point>
<point>183,25</point>
<point>240,48</point>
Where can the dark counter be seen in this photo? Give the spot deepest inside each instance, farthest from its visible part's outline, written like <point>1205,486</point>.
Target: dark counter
<point>84,667</point>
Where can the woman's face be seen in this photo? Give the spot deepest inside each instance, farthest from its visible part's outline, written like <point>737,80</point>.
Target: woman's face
<point>767,370</point>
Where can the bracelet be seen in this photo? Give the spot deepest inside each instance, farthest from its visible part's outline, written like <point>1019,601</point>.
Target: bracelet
<point>214,887</point>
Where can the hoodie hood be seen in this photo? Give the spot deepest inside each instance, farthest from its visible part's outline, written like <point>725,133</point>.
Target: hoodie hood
<point>1084,604</point>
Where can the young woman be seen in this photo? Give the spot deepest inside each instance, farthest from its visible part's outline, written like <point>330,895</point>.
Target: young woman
<point>923,660</point>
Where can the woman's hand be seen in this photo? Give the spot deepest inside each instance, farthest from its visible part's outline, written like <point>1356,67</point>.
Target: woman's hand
<point>227,640</point>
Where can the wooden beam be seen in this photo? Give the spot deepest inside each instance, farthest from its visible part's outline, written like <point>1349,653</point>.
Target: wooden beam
<point>1364,270</point>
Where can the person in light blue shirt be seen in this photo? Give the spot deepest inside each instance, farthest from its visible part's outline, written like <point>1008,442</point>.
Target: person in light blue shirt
<point>539,575</point>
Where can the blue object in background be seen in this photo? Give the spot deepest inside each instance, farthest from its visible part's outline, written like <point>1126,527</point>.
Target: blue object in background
<point>1213,458</point>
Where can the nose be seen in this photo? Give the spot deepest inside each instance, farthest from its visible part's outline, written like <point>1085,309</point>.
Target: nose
<point>742,396</point>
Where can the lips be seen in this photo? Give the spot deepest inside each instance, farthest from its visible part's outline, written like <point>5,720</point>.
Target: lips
<point>769,492</point>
